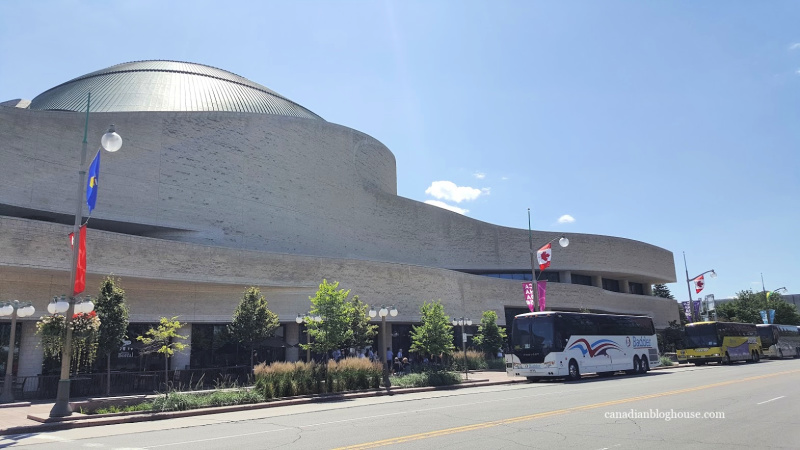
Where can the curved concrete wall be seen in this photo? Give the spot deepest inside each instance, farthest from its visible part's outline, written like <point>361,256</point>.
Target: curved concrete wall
<point>204,283</point>
<point>276,184</point>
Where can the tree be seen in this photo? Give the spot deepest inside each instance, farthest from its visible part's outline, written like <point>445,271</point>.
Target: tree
<point>363,332</point>
<point>252,320</point>
<point>490,337</point>
<point>334,329</point>
<point>671,338</point>
<point>434,336</point>
<point>113,314</point>
<point>661,290</point>
<point>161,340</point>
<point>747,305</point>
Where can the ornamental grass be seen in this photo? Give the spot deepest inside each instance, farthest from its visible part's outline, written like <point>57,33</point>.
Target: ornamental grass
<point>286,379</point>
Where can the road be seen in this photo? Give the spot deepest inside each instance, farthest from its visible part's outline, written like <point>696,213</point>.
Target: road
<point>759,403</point>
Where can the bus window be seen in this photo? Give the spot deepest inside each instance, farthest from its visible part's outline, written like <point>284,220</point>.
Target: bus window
<point>701,335</point>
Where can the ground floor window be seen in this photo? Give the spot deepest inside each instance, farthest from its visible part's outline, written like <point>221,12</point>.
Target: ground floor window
<point>213,347</point>
<point>130,357</point>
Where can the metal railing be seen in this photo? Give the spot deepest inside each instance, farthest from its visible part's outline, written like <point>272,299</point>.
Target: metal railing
<point>43,387</point>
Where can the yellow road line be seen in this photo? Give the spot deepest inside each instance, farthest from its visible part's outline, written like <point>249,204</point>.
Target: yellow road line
<point>494,423</point>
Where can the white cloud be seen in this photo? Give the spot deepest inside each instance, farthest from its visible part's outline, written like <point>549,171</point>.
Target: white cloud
<point>798,71</point>
<point>795,46</point>
<point>444,205</point>
<point>504,178</point>
<point>447,190</point>
<point>479,175</point>
<point>566,218</point>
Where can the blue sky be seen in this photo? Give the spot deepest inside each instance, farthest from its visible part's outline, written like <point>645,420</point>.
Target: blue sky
<point>673,123</point>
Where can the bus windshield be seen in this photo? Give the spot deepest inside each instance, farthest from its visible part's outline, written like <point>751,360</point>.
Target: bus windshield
<point>702,335</point>
<point>532,337</point>
<point>767,335</point>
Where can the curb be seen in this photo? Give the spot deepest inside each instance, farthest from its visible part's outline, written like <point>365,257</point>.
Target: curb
<point>65,423</point>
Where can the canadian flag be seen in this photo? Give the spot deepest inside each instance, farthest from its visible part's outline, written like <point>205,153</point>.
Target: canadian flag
<point>699,284</point>
<point>543,256</point>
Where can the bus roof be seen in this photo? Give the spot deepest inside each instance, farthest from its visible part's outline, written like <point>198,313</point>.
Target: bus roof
<point>547,313</point>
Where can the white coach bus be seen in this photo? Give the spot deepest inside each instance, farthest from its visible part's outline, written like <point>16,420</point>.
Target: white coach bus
<point>566,345</point>
<point>779,341</point>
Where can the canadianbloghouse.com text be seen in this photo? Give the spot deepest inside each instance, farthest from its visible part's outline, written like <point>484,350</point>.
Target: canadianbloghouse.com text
<point>667,415</point>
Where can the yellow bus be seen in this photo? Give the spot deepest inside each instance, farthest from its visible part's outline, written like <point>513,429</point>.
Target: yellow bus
<point>720,342</point>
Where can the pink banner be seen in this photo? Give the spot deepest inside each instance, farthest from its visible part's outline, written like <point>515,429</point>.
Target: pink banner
<point>542,285</point>
<point>528,289</point>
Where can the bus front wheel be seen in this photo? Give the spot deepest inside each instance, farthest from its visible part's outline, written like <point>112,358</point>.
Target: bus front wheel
<point>574,371</point>
<point>726,359</point>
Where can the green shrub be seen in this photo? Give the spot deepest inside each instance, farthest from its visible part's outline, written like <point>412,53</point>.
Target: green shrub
<point>666,362</point>
<point>175,401</point>
<point>430,378</point>
<point>179,401</point>
<point>496,364</point>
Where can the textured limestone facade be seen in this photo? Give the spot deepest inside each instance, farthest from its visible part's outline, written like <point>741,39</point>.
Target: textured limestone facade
<point>198,205</point>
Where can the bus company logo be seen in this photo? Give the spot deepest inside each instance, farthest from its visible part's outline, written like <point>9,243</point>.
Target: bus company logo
<point>599,347</point>
<point>628,341</point>
<point>643,342</point>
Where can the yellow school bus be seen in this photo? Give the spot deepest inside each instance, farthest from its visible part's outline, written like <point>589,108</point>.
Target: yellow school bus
<point>720,342</point>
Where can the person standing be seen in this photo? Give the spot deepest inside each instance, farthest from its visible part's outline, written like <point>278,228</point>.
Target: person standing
<point>400,354</point>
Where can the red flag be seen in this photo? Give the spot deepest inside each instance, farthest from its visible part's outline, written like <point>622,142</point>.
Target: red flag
<point>80,270</point>
<point>699,284</point>
<point>543,256</point>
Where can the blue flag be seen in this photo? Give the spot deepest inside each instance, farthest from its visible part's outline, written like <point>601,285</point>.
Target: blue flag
<point>91,183</point>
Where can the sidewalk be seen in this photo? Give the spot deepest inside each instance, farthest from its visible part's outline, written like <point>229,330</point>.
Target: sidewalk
<point>19,418</point>
<point>34,417</point>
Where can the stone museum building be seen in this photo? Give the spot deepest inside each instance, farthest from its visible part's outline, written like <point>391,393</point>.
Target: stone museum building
<point>222,183</point>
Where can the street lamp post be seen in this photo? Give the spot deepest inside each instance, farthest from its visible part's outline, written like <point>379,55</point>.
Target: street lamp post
<point>689,280</point>
<point>13,308</point>
<point>111,142</point>
<point>308,318</point>
<point>562,241</point>
<point>463,321</point>
<point>383,312</point>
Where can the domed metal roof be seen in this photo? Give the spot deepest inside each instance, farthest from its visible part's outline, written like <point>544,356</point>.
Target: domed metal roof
<point>166,86</point>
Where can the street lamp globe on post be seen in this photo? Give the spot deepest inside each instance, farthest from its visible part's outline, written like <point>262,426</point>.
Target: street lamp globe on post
<point>382,347</point>
<point>111,142</point>
<point>712,273</point>
<point>468,322</point>
<point>13,308</point>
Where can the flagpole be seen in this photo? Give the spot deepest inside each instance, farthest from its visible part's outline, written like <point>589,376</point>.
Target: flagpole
<point>688,281</point>
<point>562,241</point>
<point>62,407</point>
<point>534,281</point>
